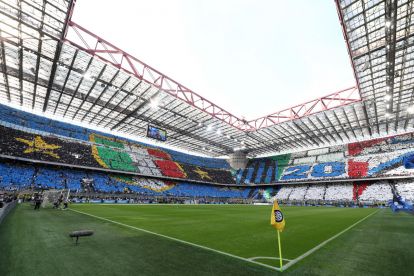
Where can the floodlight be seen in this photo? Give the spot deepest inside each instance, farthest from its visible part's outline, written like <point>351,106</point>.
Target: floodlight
<point>387,23</point>
<point>87,75</point>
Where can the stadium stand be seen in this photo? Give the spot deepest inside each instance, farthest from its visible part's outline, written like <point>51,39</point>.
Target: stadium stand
<point>315,192</point>
<point>374,158</point>
<point>341,192</point>
<point>284,192</point>
<point>29,122</point>
<point>51,141</point>
<point>17,176</point>
<point>36,138</point>
<point>406,189</point>
<point>380,191</point>
<point>298,193</point>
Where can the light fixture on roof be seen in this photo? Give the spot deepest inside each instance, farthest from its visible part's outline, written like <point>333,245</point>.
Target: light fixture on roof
<point>228,136</point>
<point>200,124</point>
<point>204,148</point>
<point>242,142</point>
<point>87,75</point>
<point>387,23</point>
<point>218,132</point>
<point>209,127</point>
<point>387,97</point>
<point>387,114</point>
<point>235,140</point>
<point>410,109</point>
<point>210,150</point>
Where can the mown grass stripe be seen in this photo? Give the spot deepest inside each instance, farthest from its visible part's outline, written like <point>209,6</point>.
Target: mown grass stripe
<point>178,240</point>
<point>322,244</point>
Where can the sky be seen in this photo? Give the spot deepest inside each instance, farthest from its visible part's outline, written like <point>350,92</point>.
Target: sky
<point>250,57</point>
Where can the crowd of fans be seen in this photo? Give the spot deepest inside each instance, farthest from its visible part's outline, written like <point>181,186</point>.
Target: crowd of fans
<point>108,154</point>
<point>373,158</point>
<point>16,176</point>
<point>375,192</point>
<point>36,138</point>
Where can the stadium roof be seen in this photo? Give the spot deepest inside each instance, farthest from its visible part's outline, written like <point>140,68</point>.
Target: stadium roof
<point>51,64</point>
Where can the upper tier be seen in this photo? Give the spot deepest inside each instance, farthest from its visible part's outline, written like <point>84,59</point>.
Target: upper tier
<point>34,122</point>
<point>382,158</point>
<point>34,137</point>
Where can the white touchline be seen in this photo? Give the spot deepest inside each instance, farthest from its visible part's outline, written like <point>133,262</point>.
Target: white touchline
<point>178,240</point>
<point>325,242</point>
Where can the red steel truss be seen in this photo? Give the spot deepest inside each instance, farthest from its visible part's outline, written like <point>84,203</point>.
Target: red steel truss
<point>94,45</point>
<point>337,99</point>
<point>108,52</point>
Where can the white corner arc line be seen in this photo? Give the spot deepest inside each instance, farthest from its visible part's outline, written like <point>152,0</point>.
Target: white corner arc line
<point>325,242</point>
<point>178,240</point>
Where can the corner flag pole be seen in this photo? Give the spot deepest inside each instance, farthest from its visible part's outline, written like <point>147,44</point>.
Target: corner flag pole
<point>280,250</point>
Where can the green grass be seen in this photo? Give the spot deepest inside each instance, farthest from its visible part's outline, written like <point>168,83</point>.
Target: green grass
<point>36,243</point>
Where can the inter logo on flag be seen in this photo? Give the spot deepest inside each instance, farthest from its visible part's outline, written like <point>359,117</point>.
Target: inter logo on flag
<point>277,219</point>
<point>278,216</point>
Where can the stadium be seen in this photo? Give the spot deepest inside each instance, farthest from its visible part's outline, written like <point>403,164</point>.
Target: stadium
<point>110,167</point>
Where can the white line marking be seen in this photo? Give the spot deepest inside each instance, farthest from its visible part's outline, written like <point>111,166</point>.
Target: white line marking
<point>269,258</point>
<point>178,240</point>
<point>325,242</point>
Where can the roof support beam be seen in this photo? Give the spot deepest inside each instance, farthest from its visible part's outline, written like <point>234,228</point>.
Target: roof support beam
<point>318,130</point>
<point>390,38</point>
<point>20,52</point>
<point>131,94</point>
<point>39,50</point>
<point>66,80</point>
<point>77,87</point>
<point>90,90</point>
<point>57,54</point>
<point>144,103</point>
<point>4,68</point>
<point>100,95</point>
<point>305,133</point>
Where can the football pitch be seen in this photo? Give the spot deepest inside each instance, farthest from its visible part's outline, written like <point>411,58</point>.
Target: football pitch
<point>205,240</point>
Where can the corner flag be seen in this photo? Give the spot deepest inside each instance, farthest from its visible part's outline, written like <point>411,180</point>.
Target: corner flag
<point>277,220</point>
